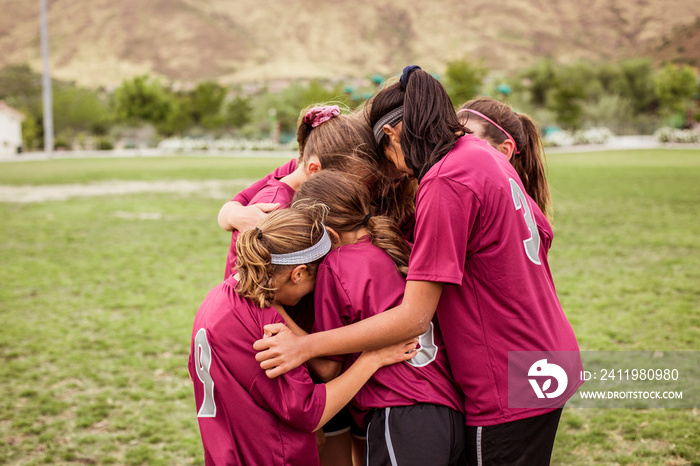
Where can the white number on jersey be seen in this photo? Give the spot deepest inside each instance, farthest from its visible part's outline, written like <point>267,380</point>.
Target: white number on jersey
<point>427,351</point>
<point>202,362</point>
<point>532,244</point>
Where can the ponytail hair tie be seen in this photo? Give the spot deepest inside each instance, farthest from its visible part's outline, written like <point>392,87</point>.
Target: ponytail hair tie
<point>365,220</point>
<point>318,115</point>
<point>259,233</point>
<point>407,74</point>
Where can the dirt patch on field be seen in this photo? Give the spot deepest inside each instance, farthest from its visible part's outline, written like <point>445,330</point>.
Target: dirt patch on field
<point>218,189</point>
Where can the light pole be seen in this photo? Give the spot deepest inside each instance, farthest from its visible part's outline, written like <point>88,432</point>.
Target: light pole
<point>46,82</point>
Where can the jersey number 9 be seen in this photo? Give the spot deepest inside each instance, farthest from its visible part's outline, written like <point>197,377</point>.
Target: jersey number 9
<point>202,361</point>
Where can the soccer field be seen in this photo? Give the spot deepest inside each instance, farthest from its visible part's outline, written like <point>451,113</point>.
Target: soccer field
<point>98,294</point>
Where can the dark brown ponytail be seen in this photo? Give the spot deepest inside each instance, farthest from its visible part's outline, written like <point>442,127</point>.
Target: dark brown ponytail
<point>430,127</point>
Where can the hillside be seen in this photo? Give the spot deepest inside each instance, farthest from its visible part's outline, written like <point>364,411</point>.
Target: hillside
<point>101,42</point>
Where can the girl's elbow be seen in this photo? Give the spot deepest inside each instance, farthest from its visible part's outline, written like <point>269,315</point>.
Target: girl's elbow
<point>422,326</point>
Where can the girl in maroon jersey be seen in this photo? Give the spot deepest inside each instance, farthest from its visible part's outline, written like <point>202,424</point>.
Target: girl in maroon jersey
<point>416,405</point>
<point>477,264</point>
<point>327,139</point>
<point>343,143</point>
<point>517,137</point>
<point>245,417</point>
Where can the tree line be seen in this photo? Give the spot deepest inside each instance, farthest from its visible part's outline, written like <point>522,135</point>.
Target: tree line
<point>629,97</point>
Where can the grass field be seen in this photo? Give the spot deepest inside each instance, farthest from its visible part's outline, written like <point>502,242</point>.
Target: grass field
<point>97,297</point>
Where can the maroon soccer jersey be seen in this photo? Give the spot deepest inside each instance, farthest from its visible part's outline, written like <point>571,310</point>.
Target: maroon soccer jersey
<point>477,232</point>
<point>244,417</point>
<point>245,197</point>
<point>358,281</point>
<point>273,191</point>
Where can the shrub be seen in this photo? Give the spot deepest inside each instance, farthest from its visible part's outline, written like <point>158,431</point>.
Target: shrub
<point>212,145</point>
<point>683,136</point>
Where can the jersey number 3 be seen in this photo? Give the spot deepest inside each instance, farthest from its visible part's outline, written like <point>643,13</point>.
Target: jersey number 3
<point>202,362</point>
<point>532,244</point>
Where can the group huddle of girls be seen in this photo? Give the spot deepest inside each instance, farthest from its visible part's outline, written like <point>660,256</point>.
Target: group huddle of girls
<point>378,282</point>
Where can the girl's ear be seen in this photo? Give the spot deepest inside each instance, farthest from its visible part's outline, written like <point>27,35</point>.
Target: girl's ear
<point>313,166</point>
<point>298,273</point>
<point>392,132</point>
<point>507,148</point>
<point>334,236</point>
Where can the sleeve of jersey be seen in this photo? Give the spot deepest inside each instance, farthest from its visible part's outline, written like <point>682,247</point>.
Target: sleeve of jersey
<point>293,397</point>
<point>266,194</point>
<point>445,216</point>
<point>331,304</point>
<point>245,196</point>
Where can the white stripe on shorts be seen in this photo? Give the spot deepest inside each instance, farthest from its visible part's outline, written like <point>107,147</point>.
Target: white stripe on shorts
<point>367,444</point>
<point>479,461</point>
<point>387,438</point>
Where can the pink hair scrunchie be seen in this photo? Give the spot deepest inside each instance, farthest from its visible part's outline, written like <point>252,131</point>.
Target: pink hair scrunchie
<point>318,115</point>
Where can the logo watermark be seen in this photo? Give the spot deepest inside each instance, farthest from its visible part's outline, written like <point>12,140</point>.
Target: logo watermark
<point>604,379</point>
<point>549,371</point>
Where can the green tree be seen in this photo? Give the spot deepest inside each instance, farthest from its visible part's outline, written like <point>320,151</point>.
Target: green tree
<point>20,87</point>
<point>142,100</point>
<point>179,118</point>
<point>238,112</point>
<point>675,87</point>
<point>463,80</point>
<point>206,101</point>
<point>637,83</point>
<point>77,109</point>
<point>569,91</point>
<point>295,98</point>
<point>32,132</point>
<point>540,79</point>
<point>19,80</point>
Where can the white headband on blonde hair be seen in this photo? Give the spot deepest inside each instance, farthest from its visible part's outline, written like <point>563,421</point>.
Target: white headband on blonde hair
<point>304,256</point>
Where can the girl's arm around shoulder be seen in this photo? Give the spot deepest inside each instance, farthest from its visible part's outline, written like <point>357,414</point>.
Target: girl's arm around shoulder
<point>282,351</point>
<point>238,215</point>
<point>234,216</point>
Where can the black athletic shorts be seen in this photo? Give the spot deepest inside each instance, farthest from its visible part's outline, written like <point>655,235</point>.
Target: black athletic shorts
<point>422,434</point>
<point>524,442</point>
<point>343,422</point>
<point>339,423</point>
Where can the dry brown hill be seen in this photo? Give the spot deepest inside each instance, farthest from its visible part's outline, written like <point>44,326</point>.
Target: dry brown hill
<point>101,42</point>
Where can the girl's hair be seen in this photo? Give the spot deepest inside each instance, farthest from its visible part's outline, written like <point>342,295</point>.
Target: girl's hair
<point>283,231</point>
<point>345,143</point>
<point>530,163</point>
<point>430,126</point>
<point>349,204</point>
<point>339,142</point>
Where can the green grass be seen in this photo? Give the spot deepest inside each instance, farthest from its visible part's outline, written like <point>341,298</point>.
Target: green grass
<point>96,305</point>
<point>62,171</point>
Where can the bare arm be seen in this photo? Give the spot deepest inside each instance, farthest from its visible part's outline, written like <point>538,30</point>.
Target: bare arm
<point>235,216</point>
<point>285,351</point>
<point>340,391</point>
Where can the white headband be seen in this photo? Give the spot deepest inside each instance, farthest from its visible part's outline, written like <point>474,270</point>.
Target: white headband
<point>304,256</point>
